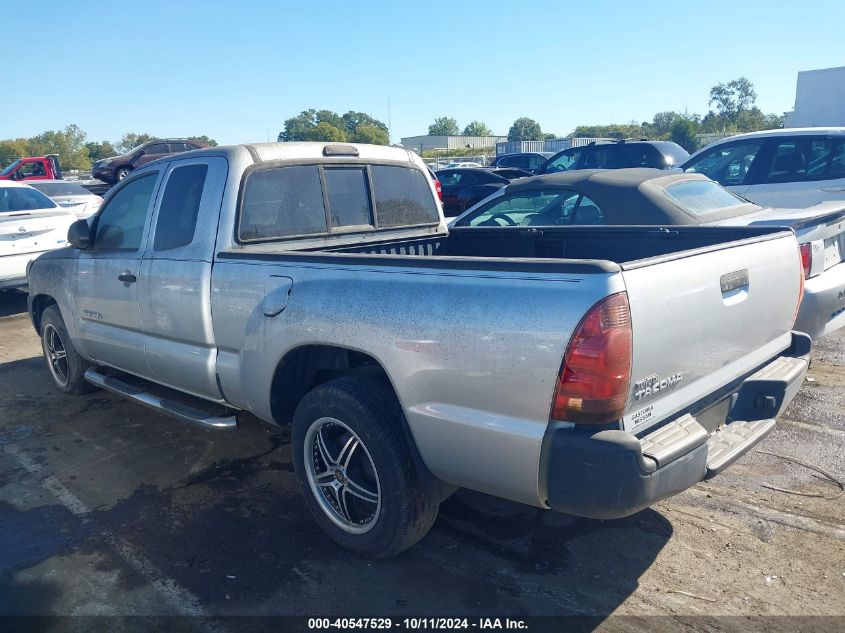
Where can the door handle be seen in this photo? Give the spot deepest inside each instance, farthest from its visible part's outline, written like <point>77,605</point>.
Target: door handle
<point>127,278</point>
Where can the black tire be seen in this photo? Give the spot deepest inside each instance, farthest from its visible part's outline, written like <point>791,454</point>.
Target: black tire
<point>120,173</point>
<point>54,334</point>
<point>368,409</point>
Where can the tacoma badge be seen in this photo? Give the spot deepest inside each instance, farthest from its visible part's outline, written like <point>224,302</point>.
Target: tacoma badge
<point>648,387</point>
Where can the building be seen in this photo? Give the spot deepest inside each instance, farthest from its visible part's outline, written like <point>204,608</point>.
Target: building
<point>426,142</point>
<point>819,99</point>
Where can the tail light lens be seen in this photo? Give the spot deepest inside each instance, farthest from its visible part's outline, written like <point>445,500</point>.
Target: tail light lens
<point>593,384</point>
<point>439,189</point>
<point>806,258</point>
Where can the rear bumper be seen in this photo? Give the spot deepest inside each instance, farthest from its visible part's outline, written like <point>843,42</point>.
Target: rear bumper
<point>822,310</point>
<point>611,474</point>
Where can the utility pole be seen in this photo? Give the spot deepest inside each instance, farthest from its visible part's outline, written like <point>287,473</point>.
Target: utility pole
<point>389,123</point>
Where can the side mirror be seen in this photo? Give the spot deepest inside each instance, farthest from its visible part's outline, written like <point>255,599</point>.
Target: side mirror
<point>79,234</point>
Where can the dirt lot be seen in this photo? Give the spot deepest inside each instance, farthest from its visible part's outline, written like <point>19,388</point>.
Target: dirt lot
<point>106,508</point>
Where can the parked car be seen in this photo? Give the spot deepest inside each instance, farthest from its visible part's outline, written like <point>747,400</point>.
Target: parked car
<point>652,197</point>
<point>619,155</point>
<point>33,168</point>
<point>311,284</point>
<point>529,161</point>
<point>463,187</point>
<point>69,195</point>
<point>460,164</point>
<point>116,168</point>
<point>30,224</point>
<point>794,168</point>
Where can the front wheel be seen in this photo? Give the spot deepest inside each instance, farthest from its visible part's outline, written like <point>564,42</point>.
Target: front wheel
<point>66,366</point>
<point>121,173</point>
<point>355,468</point>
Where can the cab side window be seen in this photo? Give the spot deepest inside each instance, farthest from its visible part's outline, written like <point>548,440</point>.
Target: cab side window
<point>177,215</point>
<point>120,225</point>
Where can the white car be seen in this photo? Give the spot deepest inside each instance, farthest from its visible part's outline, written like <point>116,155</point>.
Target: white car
<point>70,195</point>
<point>793,167</point>
<point>30,224</point>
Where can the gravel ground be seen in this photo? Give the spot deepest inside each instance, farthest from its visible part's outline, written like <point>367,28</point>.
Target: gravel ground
<point>108,509</point>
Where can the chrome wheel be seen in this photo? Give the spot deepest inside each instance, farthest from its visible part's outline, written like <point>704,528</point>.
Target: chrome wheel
<point>54,350</point>
<point>342,475</point>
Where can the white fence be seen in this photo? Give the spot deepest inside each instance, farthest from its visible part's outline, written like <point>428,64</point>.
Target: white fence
<point>442,161</point>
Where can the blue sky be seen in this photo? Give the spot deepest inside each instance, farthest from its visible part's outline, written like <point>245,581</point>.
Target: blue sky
<point>236,71</point>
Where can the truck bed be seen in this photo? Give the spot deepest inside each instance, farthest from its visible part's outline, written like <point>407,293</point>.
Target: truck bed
<point>573,249</point>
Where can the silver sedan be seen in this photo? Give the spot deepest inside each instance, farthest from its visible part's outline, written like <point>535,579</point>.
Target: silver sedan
<point>69,195</point>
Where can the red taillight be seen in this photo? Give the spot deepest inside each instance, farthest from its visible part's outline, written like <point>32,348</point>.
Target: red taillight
<point>593,384</point>
<point>806,258</point>
<point>439,189</point>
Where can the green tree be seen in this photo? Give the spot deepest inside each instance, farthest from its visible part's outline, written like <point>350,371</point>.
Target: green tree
<point>98,151</point>
<point>11,150</point>
<point>614,130</point>
<point>203,139</point>
<point>525,129</point>
<point>370,134</point>
<point>353,120</point>
<point>444,126</point>
<point>69,144</point>
<point>661,125</point>
<point>477,128</point>
<point>732,98</point>
<point>327,132</point>
<point>325,125</point>
<point>684,132</point>
<point>131,140</point>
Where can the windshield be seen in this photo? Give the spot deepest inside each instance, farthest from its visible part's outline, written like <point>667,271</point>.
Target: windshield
<point>60,188</point>
<point>702,197</point>
<point>527,208</point>
<point>10,168</point>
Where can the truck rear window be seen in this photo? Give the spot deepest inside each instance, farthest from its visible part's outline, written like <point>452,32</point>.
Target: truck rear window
<point>403,197</point>
<point>288,201</point>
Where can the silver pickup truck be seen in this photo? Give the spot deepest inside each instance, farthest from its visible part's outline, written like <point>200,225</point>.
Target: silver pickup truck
<point>592,370</point>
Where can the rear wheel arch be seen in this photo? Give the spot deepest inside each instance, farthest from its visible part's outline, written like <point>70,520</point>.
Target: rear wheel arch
<point>305,368</point>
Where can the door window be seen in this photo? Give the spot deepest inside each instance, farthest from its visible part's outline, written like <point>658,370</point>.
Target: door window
<point>120,225</point>
<point>799,159</point>
<point>177,147</point>
<point>177,215</point>
<point>727,164</point>
<point>158,148</point>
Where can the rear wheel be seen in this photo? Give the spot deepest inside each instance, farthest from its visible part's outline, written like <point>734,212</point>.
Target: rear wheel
<point>66,366</point>
<point>356,470</point>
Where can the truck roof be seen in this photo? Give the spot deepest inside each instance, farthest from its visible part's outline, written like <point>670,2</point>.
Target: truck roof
<point>307,150</point>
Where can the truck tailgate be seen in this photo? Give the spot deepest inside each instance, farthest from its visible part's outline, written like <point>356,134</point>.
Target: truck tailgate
<point>704,319</point>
